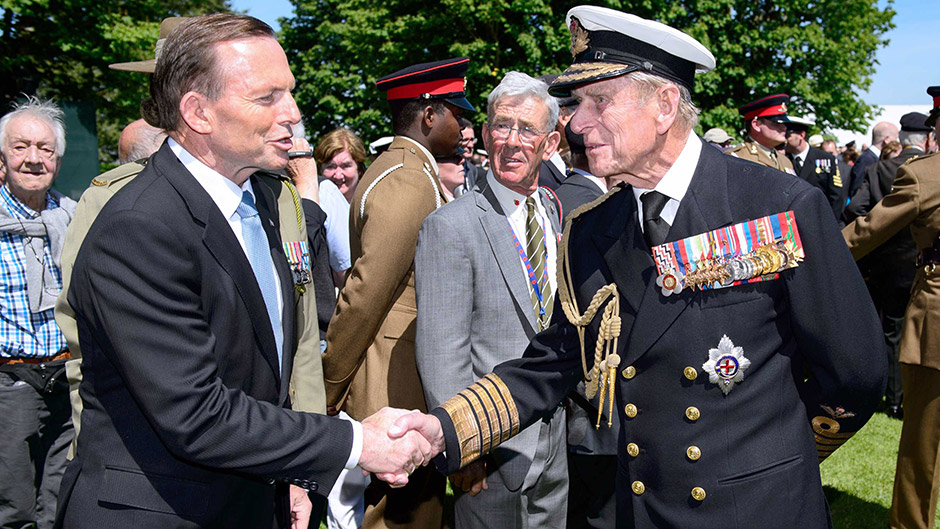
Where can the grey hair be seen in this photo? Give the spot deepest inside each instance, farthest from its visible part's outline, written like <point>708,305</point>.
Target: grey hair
<point>46,110</point>
<point>910,138</point>
<point>518,84</point>
<point>646,85</point>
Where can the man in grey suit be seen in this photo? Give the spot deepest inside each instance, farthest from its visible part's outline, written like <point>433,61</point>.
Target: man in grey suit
<point>485,284</point>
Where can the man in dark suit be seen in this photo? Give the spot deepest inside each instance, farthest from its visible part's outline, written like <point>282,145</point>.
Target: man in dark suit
<point>180,293</point>
<point>889,269</point>
<point>581,186</point>
<point>882,134</point>
<point>815,165</point>
<point>727,396</point>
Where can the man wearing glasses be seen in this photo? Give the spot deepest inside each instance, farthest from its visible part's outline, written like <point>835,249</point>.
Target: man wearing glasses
<point>485,285</point>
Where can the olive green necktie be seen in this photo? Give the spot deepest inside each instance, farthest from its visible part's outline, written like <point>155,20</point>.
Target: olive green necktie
<point>535,250</point>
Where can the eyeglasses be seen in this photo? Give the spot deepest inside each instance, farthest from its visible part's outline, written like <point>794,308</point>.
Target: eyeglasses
<point>501,131</point>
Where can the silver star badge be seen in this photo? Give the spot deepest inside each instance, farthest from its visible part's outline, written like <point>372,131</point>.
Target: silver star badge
<point>726,365</point>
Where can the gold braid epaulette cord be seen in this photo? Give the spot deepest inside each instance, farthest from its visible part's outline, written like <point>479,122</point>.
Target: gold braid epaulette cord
<point>603,373</point>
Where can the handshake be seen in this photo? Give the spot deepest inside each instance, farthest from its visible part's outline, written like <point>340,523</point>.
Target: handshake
<point>395,442</point>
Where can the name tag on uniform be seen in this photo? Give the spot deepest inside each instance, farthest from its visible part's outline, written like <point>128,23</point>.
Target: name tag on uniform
<point>748,252</point>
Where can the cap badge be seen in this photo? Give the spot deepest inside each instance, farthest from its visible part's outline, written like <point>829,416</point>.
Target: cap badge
<point>726,365</point>
<point>579,38</point>
<point>783,108</point>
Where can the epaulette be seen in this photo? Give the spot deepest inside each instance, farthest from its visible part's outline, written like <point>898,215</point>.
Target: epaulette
<point>920,157</point>
<point>426,169</point>
<point>119,173</point>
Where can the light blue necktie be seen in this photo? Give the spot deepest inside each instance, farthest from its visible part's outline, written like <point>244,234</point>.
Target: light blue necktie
<point>259,255</point>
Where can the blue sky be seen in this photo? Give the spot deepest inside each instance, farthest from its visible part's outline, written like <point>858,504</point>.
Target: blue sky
<point>908,65</point>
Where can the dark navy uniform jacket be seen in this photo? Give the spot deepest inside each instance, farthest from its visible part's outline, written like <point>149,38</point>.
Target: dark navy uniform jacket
<point>812,337</point>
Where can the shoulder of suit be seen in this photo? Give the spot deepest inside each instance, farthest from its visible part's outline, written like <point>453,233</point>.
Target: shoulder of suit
<point>922,159</point>
<point>119,174</point>
<point>583,209</point>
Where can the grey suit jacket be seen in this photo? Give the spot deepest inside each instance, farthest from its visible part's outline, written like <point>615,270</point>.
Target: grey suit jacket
<point>475,309</point>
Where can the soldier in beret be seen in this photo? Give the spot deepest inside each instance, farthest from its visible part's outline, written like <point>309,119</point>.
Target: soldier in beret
<point>727,396</point>
<point>765,122</point>
<point>913,202</point>
<point>369,361</point>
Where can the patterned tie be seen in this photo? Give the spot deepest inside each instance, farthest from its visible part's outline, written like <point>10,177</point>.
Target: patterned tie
<point>259,255</point>
<point>535,251</point>
<point>655,228</point>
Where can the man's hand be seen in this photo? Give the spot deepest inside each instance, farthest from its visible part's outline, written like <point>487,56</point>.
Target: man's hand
<point>427,425</point>
<point>391,459</point>
<point>303,171</point>
<point>300,508</point>
<point>471,478</point>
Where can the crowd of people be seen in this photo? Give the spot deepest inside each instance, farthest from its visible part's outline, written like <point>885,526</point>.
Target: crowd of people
<point>599,319</point>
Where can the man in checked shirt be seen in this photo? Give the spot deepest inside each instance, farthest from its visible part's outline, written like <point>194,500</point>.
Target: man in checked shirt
<point>35,417</point>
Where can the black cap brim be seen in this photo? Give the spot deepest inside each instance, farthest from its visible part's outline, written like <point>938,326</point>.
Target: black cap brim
<point>780,118</point>
<point>932,118</point>
<point>460,102</point>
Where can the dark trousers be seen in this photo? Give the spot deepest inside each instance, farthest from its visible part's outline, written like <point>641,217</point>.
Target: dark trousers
<point>592,502</point>
<point>36,426</point>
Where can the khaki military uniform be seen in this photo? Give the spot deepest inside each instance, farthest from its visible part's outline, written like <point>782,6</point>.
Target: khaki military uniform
<point>752,151</point>
<point>913,202</point>
<point>306,384</point>
<point>370,360</point>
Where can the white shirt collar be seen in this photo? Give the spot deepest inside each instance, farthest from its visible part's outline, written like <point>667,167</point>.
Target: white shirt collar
<point>875,150</point>
<point>802,155</point>
<point>427,153</point>
<point>226,195</point>
<point>675,183</point>
<point>509,200</point>
<point>559,162</point>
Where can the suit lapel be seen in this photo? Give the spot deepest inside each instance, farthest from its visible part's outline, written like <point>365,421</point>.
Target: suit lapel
<point>499,235</point>
<point>624,249</point>
<point>704,207</point>
<point>221,242</point>
<point>267,210</point>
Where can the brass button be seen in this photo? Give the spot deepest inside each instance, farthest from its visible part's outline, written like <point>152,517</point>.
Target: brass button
<point>630,410</point>
<point>638,487</point>
<point>628,372</point>
<point>692,413</point>
<point>690,373</point>
<point>698,493</point>
<point>693,453</point>
<point>633,449</point>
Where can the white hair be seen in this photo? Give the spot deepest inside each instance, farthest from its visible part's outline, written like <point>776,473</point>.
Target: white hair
<point>646,85</point>
<point>518,84</point>
<point>909,138</point>
<point>46,110</point>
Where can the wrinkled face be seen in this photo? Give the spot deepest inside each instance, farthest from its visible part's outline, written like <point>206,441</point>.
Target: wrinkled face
<point>619,129</point>
<point>768,133</point>
<point>452,173</point>
<point>29,156</point>
<point>516,158</point>
<point>344,172</point>
<point>467,141</point>
<point>252,118</point>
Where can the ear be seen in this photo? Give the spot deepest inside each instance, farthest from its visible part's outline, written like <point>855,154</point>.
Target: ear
<point>667,100</point>
<point>428,117</point>
<point>195,112</point>
<point>551,144</point>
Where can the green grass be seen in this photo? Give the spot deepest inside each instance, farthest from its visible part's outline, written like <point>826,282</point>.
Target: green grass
<point>859,477</point>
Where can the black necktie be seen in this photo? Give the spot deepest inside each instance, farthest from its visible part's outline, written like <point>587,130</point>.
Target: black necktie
<point>654,227</point>
<point>797,164</point>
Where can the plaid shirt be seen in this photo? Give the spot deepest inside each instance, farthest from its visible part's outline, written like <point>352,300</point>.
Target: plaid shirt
<point>22,333</point>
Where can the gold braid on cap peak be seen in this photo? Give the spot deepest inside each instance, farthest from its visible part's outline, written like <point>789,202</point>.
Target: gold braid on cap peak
<point>603,373</point>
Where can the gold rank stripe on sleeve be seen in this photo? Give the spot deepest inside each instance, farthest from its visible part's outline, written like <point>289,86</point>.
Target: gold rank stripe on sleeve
<point>828,437</point>
<point>484,415</point>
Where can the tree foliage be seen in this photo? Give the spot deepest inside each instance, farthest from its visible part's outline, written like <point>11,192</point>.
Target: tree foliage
<point>62,48</point>
<point>821,52</point>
